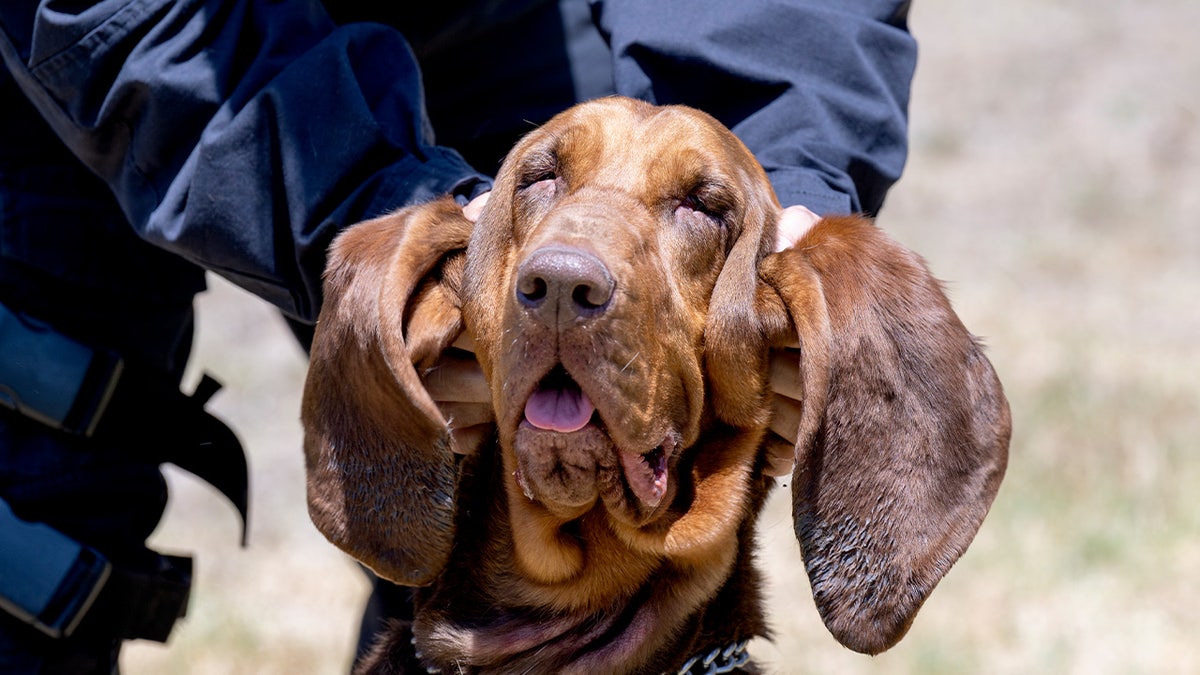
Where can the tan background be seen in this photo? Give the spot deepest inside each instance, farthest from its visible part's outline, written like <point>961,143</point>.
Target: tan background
<point>1054,182</point>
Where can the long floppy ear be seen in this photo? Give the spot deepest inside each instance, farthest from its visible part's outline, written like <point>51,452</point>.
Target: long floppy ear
<point>381,473</point>
<point>904,432</point>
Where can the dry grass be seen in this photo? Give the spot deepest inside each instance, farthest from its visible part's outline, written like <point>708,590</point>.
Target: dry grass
<point>1055,182</point>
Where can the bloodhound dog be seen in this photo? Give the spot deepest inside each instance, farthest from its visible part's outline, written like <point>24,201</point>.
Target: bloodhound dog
<point>623,298</point>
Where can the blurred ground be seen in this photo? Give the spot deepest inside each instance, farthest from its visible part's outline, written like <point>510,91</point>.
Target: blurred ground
<point>1054,182</point>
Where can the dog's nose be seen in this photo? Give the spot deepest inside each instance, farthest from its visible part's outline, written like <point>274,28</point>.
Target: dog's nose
<point>560,284</point>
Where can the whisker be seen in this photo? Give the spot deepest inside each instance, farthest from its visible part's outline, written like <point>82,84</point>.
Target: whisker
<point>630,361</point>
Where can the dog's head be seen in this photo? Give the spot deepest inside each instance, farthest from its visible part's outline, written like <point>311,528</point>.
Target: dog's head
<point>622,294</point>
<point>602,287</point>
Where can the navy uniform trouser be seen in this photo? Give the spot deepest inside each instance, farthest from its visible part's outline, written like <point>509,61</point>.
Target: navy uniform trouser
<point>94,493</point>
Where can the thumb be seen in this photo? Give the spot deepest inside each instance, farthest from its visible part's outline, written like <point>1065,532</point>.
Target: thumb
<point>475,207</point>
<point>794,221</point>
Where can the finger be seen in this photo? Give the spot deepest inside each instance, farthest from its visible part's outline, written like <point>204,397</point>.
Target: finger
<point>465,342</point>
<point>468,440</point>
<point>466,414</point>
<point>785,418</point>
<point>794,221</point>
<point>474,208</point>
<point>457,377</point>
<point>781,456</point>
<point>791,342</point>
<point>784,373</point>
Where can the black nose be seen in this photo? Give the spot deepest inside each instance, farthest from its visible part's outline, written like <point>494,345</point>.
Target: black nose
<point>560,284</point>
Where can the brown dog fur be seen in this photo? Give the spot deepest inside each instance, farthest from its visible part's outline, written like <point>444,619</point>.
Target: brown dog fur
<point>627,545</point>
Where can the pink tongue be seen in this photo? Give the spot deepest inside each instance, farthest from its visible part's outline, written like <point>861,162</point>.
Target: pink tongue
<point>567,409</point>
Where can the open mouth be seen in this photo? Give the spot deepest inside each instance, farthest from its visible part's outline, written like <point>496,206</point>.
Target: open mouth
<point>559,404</point>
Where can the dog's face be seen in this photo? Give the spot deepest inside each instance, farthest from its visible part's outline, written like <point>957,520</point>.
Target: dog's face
<point>590,279</point>
<point>623,299</point>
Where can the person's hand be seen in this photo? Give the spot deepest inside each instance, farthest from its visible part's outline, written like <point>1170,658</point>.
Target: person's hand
<point>456,383</point>
<point>458,387</point>
<point>794,221</point>
<point>787,390</point>
<point>475,206</point>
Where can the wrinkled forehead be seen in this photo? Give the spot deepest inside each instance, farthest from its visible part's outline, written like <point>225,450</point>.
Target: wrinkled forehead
<point>637,147</point>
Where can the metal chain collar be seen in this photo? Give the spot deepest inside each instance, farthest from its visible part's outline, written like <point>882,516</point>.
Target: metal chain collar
<point>718,660</point>
<point>715,662</point>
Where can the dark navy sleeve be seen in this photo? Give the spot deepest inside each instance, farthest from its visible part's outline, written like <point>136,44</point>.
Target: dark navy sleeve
<point>239,135</point>
<point>818,90</point>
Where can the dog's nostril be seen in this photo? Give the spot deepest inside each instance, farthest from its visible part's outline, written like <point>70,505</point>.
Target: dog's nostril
<point>587,296</point>
<point>531,290</point>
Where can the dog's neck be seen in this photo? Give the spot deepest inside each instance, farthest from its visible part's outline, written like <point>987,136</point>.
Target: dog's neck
<point>623,611</point>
